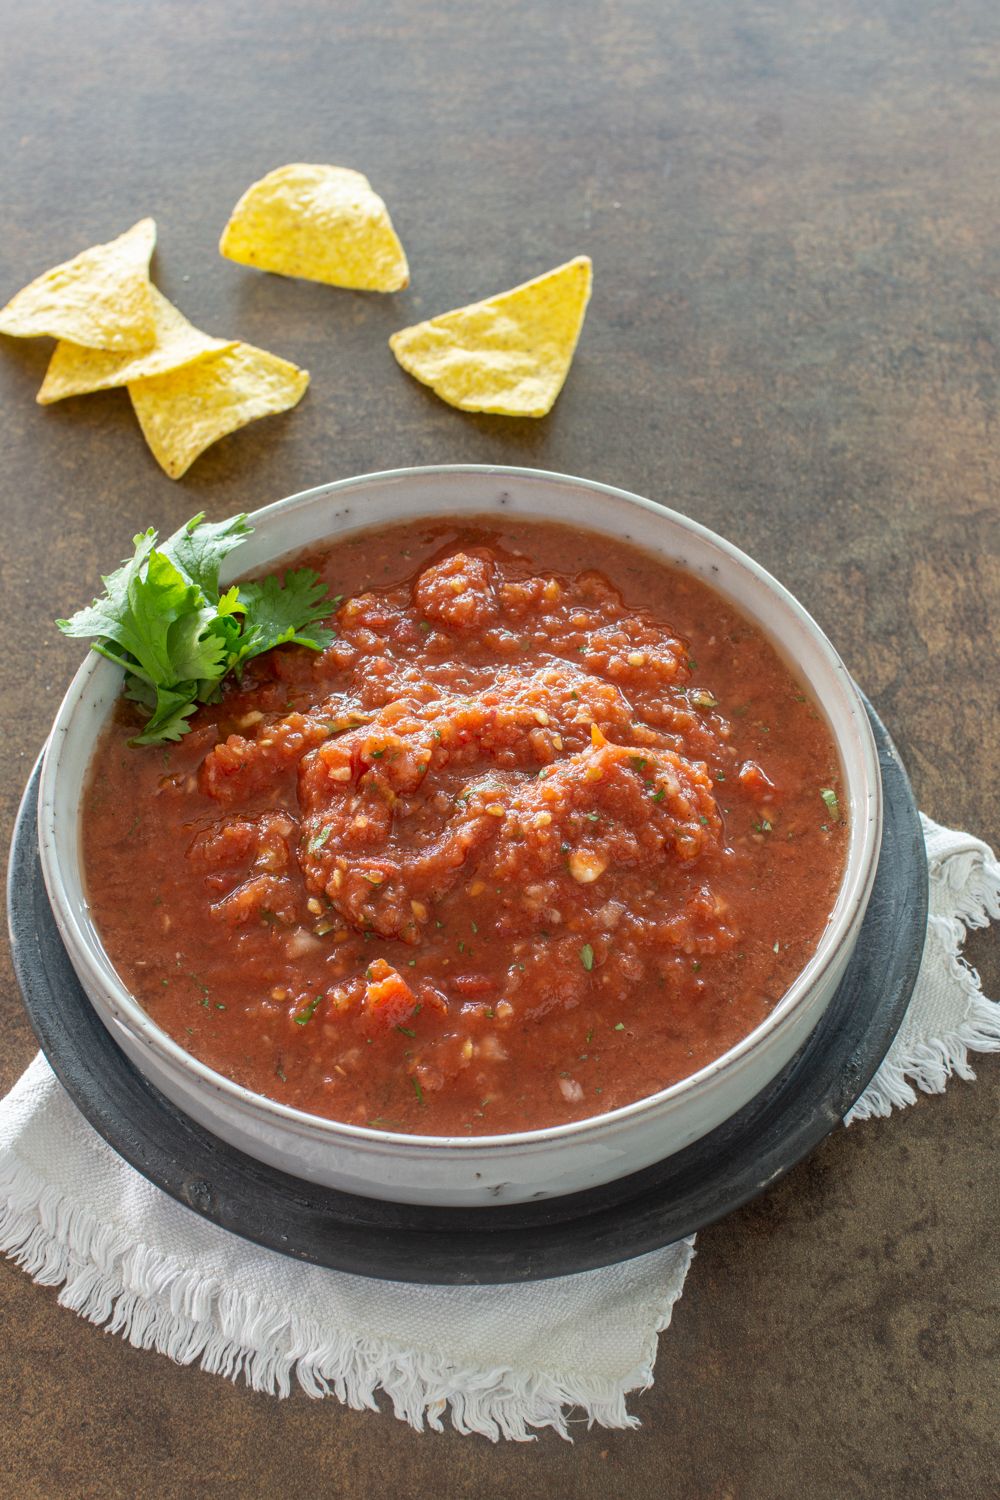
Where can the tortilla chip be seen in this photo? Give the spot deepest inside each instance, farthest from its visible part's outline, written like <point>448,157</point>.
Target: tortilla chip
<point>183,413</point>
<point>100,299</point>
<point>509,354</point>
<point>320,223</point>
<point>74,370</point>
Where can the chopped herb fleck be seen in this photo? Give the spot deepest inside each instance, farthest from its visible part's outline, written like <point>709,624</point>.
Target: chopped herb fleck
<point>406,1032</point>
<point>308,1013</point>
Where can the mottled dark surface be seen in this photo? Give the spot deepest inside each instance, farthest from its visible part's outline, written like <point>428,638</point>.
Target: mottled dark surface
<point>793,217</point>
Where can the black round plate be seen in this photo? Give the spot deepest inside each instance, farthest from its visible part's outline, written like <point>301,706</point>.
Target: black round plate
<point>515,1242</point>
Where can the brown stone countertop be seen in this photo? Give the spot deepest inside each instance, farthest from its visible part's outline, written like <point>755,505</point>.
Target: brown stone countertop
<point>793,216</point>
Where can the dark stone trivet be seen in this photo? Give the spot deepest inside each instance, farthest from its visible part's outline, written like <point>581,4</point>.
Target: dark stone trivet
<point>515,1242</point>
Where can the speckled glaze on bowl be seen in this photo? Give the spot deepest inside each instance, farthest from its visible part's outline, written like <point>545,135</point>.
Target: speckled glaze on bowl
<point>486,1169</point>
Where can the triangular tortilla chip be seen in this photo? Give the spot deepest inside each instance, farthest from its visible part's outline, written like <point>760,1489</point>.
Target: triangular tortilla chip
<point>74,370</point>
<point>100,299</point>
<point>509,354</point>
<point>184,412</point>
<point>320,223</point>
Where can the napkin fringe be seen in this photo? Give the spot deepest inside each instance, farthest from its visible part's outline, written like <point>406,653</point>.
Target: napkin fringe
<point>148,1298</point>
<point>967,868</point>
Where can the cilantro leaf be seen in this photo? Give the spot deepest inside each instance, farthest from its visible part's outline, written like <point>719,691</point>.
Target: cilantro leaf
<point>109,616</point>
<point>168,722</point>
<point>277,613</point>
<point>198,548</point>
<point>156,618</point>
<point>163,621</point>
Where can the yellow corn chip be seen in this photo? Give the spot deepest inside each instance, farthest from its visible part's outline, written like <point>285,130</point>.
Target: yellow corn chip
<point>182,413</point>
<point>509,354</point>
<point>321,223</point>
<point>100,299</point>
<point>74,370</point>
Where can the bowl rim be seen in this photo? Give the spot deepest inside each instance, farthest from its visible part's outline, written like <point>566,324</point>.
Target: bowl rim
<point>852,894</point>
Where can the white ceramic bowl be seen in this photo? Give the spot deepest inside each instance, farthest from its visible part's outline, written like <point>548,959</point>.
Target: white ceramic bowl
<point>485,1169</point>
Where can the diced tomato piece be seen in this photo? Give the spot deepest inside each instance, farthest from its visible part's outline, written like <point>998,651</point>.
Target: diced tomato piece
<point>756,784</point>
<point>388,997</point>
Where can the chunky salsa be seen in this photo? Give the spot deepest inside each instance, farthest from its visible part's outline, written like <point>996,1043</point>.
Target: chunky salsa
<point>546,828</point>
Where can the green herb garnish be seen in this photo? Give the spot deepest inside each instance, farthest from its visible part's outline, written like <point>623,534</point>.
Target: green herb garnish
<point>164,621</point>
<point>830,798</point>
<point>307,1014</point>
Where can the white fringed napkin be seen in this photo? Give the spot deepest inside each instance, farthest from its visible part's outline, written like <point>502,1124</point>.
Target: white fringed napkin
<point>505,1359</point>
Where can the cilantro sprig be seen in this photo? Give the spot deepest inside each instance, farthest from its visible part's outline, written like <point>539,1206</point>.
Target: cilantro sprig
<point>165,622</point>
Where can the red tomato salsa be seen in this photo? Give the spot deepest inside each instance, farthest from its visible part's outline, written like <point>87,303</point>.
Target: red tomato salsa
<point>545,829</point>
